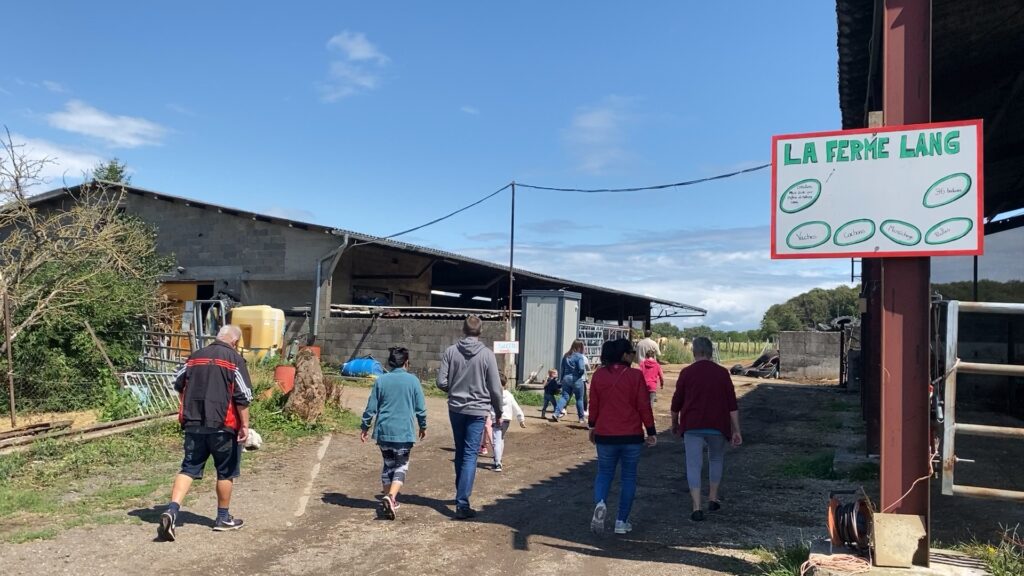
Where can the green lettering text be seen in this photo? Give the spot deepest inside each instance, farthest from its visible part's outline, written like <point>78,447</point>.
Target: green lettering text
<point>952,143</point>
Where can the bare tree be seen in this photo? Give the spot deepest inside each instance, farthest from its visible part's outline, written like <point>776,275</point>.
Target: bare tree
<point>58,256</point>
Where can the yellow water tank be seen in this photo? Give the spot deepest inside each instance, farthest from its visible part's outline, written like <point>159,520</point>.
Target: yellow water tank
<point>262,330</point>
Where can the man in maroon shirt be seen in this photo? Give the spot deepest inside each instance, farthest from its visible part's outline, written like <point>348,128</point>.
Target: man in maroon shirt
<point>705,412</point>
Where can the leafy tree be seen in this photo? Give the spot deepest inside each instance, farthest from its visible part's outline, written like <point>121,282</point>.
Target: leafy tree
<point>807,310</point>
<point>66,268</point>
<point>666,329</point>
<point>112,170</point>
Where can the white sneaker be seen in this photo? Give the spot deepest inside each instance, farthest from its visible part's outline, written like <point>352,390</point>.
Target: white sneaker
<point>623,527</point>
<point>597,521</point>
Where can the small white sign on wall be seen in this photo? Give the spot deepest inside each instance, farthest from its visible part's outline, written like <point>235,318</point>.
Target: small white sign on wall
<point>879,192</point>
<point>506,347</point>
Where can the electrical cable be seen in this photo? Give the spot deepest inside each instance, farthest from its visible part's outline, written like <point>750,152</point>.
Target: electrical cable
<point>436,220</point>
<point>579,190</point>
<point>642,188</point>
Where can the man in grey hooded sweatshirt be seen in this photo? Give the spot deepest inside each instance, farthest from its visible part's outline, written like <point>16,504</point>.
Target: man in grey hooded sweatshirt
<point>469,374</point>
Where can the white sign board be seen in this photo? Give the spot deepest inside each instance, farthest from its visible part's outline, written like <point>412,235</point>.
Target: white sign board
<point>506,347</point>
<point>894,191</point>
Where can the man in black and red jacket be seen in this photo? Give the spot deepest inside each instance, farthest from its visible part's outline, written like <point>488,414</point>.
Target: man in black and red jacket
<point>215,391</point>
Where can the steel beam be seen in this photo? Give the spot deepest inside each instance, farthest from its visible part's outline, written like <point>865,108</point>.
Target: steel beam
<point>905,449</point>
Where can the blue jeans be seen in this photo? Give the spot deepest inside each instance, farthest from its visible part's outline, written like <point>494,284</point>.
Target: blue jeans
<point>577,389</point>
<point>467,431</point>
<point>549,399</point>
<point>608,457</point>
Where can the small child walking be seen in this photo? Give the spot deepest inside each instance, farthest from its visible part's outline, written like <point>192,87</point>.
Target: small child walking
<point>552,388</point>
<point>396,398</point>
<point>508,406</point>
<point>653,375</point>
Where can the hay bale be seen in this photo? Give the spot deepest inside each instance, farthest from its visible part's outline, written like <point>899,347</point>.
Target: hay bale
<point>307,399</point>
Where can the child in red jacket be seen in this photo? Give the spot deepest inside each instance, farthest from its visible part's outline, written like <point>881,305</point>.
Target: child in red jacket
<point>653,375</point>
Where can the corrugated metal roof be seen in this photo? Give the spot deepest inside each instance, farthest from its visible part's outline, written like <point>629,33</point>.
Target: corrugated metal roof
<point>366,238</point>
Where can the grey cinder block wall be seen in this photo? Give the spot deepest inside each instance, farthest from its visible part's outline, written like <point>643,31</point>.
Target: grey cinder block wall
<point>342,339</point>
<point>811,355</point>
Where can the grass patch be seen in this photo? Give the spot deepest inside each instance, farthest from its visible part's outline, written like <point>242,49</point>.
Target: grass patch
<point>864,472</point>
<point>430,389</point>
<point>674,352</point>
<point>528,397</point>
<point>817,466</point>
<point>22,536</point>
<point>1004,559</point>
<point>781,561</point>
<point>58,485</point>
<point>836,405</point>
<point>828,424</point>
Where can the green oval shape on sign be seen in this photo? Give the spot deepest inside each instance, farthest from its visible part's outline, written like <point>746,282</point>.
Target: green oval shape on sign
<point>947,190</point>
<point>949,230</point>
<point>854,232</point>
<point>901,232</point>
<point>809,235</point>
<point>800,196</point>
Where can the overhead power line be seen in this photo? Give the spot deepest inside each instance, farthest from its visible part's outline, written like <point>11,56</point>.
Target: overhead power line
<point>578,190</point>
<point>442,218</point>
<point>642,188</point>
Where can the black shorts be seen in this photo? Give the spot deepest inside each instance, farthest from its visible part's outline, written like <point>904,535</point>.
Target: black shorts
<point>223,446</point>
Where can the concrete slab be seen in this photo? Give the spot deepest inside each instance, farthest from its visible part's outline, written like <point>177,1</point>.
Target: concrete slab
<point>943,563</point>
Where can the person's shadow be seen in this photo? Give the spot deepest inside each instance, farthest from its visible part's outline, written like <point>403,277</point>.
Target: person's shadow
<point>346,501</point>
<point>440,506</point>
<point>152,516</point>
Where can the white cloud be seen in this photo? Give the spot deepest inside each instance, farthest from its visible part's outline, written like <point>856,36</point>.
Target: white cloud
<point>726,271</point>
<point>356,68</point>
<point>596,135</point>
<point>54,86</point>
<point>356,48</point>
<point>471,110</point>
<point>64,164</point>
<point>179,109</point>
<point>117,131</point>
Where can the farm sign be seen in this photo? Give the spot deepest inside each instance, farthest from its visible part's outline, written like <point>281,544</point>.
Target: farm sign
<point>894,191</point>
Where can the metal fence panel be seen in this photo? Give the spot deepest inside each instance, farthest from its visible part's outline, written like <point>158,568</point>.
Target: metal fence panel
<point>153,390</point>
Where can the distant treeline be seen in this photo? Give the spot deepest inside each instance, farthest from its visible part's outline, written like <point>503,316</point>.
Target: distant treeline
<point>819,306</point>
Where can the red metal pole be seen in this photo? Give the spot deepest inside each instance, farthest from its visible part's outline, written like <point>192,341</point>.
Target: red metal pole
<point>905,449</point>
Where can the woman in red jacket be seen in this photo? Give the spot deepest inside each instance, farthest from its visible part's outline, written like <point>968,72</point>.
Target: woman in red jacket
<point>705,412</point>
<point>620,412</point>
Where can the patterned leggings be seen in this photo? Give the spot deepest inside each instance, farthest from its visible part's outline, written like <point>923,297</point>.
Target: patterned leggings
<point>396,462</point>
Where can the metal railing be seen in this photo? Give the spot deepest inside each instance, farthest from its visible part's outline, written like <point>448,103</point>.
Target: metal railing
<point>950,426</point>
<point>165,351</point>
<point>154,391</point>
<point>594,336</point>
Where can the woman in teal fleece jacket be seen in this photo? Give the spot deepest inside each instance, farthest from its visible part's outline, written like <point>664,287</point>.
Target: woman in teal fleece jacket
<point>395,399</point>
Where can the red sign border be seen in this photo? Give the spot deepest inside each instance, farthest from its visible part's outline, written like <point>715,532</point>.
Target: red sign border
<point>977,124</point>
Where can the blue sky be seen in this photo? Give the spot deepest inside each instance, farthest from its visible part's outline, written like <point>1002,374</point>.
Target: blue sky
<point>378,117</point>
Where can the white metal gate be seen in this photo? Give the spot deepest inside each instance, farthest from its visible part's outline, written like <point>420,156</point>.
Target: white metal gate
<point>950,426</point>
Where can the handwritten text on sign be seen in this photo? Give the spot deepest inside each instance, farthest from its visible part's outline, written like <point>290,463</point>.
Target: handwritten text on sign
<point>506,347</point>
<point>894,191</point>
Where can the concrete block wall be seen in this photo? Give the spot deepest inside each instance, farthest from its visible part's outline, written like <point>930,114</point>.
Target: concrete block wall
<point>811,355</point>
<point>342,339</point>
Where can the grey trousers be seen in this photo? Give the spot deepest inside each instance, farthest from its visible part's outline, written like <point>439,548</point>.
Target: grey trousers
<point>694,445</point>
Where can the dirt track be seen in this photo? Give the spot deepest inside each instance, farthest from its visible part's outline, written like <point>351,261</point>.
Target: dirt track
<point>533,517</point>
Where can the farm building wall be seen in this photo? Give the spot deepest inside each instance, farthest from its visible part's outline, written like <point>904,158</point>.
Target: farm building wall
<point>260,262</point>
<point>342,339</point>
<point>811,355</point>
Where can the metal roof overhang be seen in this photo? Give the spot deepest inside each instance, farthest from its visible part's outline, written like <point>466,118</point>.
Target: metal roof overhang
<point>977,72</point>
<point>451,271</point>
